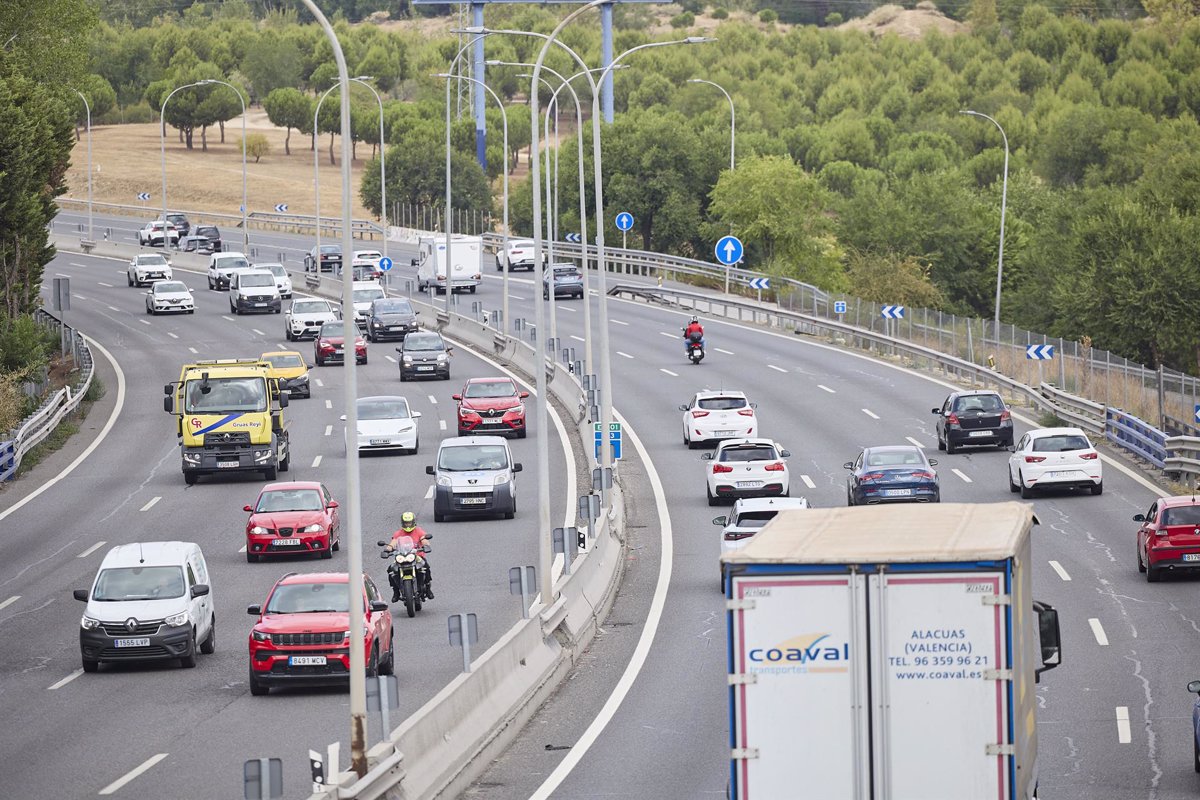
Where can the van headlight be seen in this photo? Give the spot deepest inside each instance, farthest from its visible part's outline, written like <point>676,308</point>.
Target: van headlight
<point>501,479</point>
<point>89,624</point>
<point>177,620</point>
<point>407,361</point>
<point>444,480</point>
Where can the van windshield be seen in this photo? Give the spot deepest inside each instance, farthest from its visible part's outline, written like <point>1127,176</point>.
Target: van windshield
<point>139,583</point>
<point>262,279</point>
<point>473,457</point>
<point>220,395</point>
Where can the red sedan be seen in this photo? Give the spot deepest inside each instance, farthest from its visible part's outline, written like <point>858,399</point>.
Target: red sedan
<point>491,405</point>
<point>293,517</point>
<point>1169,537</point>
<point>329,347</point>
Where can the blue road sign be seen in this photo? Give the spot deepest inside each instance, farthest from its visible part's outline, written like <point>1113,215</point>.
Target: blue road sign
<point>241,209</point>
<point>839,306</point>
<point>614,440</point>
<point>143,196</point>
<point>760,283</point>
<point>1039,352</point>
<point>574,238</point>
<point>729,250</point>
<point>892,312</point>
<point>281,207</point>
<point>1196,414</point>
<point>385,263</point>
<point>624,221</point>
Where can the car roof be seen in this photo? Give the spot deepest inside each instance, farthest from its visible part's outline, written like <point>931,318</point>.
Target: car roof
<point>390,397</point>
<point>169,281</point>
<point>894,448</point>
<point>491,379</point>
<point>314,577</point>
<point>148,554</point>
<point>1178,500</point>
<point>745,442</point>
<point>976,393</point>
<point>1044,432</point>
<point>706,394</point>
<point>365,285</point>
<point>229,254</point>
<point>768,503</point>
<point>467,441</point>
<point>267,265</point>
<point>300,297</point>
<point>255,269</point>
<point>286,485</point>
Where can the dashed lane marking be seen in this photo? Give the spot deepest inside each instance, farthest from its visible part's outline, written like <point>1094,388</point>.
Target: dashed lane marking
<point>429,493</point>
<point>116,785</point>
<point>1098,632</point>
<point>64,681</point>
<point>6,603</point>
<point>960,474</point>
<point>624,355</point>
<point>1062,573</point>
<point>825,388</point>
<point>442,424</point>
<point>870,413</point>
<point>1123,733</point>
<point>153,502</point>
<point>328,430</point>
<point>172,335</point>
<point>91,549</point>
<point>617,322</point>
<point>667,371</point>
<point>193,350</point>
<point>329,404</point>
<point>723,352</point>
<point>316,462</point>
<point>433,399</point>
<point>808,481</point>
<point>914,441</point>
<point>777,369</point>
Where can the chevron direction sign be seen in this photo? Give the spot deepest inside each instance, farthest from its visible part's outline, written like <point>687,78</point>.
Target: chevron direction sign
<point>892,312</point>
<point>1039,352</point>
<point>574,238</point>
<point>281,208</point>
<point>760,283</point>
<point>143,196</point>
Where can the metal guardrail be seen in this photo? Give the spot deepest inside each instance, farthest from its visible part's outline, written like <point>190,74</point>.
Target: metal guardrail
<point>1082,412</point>
<point>34,429</point>
<point>1183,457</point>
<point>1130,433</point>
<point>263,219</point>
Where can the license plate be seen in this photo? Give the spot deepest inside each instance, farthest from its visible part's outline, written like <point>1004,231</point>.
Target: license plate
<point>306,661</point>
<point>493,422</point>
<point>473,501</point>
<point>425,369</point>
<point>1191,556</point>
<point>726,433</point>
<point>228,464</point>
<point>131,643</point>
<point>381,441</point>
<point>897,493</point>
<point>260,305</point>
<point>749,484</point>
<point>285,543</point>
<point>981,433</point>
<point>1061,474</point>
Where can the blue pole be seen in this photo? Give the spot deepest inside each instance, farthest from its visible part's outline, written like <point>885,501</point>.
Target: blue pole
<point>606,57</point>
<point>477,70</point>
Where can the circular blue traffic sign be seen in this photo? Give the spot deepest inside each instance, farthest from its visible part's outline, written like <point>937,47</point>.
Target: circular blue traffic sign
<point>729,250</point>
<point>385,263</point>
<point>624,221</point>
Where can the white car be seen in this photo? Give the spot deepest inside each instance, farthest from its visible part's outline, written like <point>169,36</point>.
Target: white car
<point>517,254</point>
<point>152,234</point>
<point>367,257</point>
<point>365,293</point>
<point>386,423</point>
<point>306,316</point>
<point>747,468</point>
<point>145,268</point>
<point>1054,458</point>
<point>283,281</point>
<point>748,517</point>
<point>221,267</point>
<point>167,296</point>
<point>716,415</point>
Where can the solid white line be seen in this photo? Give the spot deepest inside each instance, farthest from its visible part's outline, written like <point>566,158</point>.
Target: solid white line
<point>389,358</point>
<point>914,441</point>
<point>724,352</point>
<point>64,681</point>
<point>960,474</point>
<point>617,321</point>
<point>6,603</point>
<point>242,549</point>
<point>825,388</point>
<point>144,321</point>
<point>151,504</point>
<point>105,285</point>
<point>433,399</point>
<point>316,462</point>
<point>193,350</point>
<point>113,787</point>
<point>1062,573</point>
<point>624,355</point>
<point>256,330</point>
<point>319,383</point>
<point>672,374</point>
<point>808,481</point>
<point>73,264</point>
<point>429,493</point>
<point>1123,733</point>
<point>328,430</point>
<point>65,275</point>
<point>567,308</point>
<point>668,335</point>
<point>80,297</point>
<point>1098,632</point>
<point>442,424</point>
<point>573,336</point>
<point>173,336</point>
<point>513,296</point>
<point>91,550</point>
<point>777,369</point>
<point>226,316</point>
<point>329,404</point>
<point>870,413</point>
<point>113,308</point>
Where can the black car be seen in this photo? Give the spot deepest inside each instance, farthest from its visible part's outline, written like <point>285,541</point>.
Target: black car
<point>424,354</point>
<point>892,474</point>
<point>391,318</point>
<point>973,418</point>
<point>213,235</point>
<point>331,258</point>
<point>180,222</point>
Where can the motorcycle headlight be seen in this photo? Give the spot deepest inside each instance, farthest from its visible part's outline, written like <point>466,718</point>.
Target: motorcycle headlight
<point>177,620</point>
<point>260,636</point>
<point>408,558</point>
<point>89,624</point>
<point>444,481</point>
<point>258,530</point>
<point>314,528</point>
<point>501,479</point>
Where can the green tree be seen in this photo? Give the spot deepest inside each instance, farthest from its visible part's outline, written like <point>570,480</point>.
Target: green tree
<point>289,108</point>
<point>273,62</point>
<point>416,174</point>
<point>257,146</point>
<point>888,277</point>
<point>100,97</point>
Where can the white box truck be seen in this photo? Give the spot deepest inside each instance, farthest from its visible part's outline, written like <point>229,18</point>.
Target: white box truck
<point>466,268</point>
<point>887,653</point>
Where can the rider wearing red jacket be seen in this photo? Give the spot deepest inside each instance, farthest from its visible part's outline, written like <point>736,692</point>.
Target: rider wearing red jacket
<point>410,529</point>
<point>693,327</point>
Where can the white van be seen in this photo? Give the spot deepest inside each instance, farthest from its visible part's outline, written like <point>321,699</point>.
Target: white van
<point>466,253</point>
<point>474,477</point>
<point>150,601</point>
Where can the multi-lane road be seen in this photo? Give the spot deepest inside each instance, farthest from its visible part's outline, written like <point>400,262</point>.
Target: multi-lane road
<point>1114,720</point>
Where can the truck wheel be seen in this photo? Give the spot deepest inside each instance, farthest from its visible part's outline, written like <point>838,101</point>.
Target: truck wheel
<point>269,473</point>
<point>286,463</point>
<point>190,478</point>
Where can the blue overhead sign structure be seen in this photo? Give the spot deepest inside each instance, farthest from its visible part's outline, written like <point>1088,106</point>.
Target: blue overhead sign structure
<point>624,221</point>
<point>614,439</point>
<point>760,283</point>
<point>385,263</point>
<point>892,312</point>
<point>839,306</point>
<point>574,238</point>
<point>1039,352</point>
<point>729,250</point>
<point>281,208</point>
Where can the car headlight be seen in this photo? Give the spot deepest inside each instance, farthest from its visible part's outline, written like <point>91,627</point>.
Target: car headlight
<point>301,379</point>
<point>518,409</point>
<point>177,620</point>
<point>260,636</point>
<point>444,480</point>
<point>89,624</point>
<point>314,528</point>
<point>407,361</point>
<point>258,530</point>
<point>441,357</point>
<point>346,636</point>
<point>465,412</point>
<point>501,480</point>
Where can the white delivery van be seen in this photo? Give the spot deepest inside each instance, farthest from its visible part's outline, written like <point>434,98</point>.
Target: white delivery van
<point>474,477</point>
<point>466,263</point>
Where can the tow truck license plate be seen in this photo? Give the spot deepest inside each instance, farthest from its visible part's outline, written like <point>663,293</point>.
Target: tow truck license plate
<point>285,543</point>
<point>131,642</point>
<point>306,661</point>
<point>227,464</point>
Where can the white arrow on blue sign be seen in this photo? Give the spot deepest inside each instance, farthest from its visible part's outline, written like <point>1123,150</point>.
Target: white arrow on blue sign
<point>839,306</point>
<point>760,283</point>
<point>892,312</point>
<point>385,263</point>
<point>281,207</point>
<point>729,250</point>
<point>624,221</point>
<point>143,196</point>
<point>574,238</point>
<point>1039,352</point>
<point>1196,414</point>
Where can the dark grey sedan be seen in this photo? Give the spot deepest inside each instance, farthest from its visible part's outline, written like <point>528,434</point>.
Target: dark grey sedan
<point>567,281</point>
<point>892,474</point>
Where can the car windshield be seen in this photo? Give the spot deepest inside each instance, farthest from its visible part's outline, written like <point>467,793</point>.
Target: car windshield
<point>284,360</point>
<point>1060,443</point>
<point>388,408</point>
<point>139,583</point>
<point>758,452</point>
<point>427,342</point>
<point>473,457</point>
<point>311,307</point>
<point>258,280</point>
<point>276,269</point>
<point>367,295</point>
<point>979,402</point>
<point>232,263</point>
<point>721,403</point>
<point>166,287</point>
<point>491,389</point>
<point>289,500</point>
<point>754,519</point>
<point>310,598</point>
<point>895,458</point>
<point>221,395</point>
<point>566,275</point>
<point>333,329</point>
<point>393,307</point>
<point>152,260</point>
<point>1181,515</point>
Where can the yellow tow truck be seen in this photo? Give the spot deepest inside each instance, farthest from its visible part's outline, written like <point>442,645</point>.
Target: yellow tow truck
<point>230,418</point>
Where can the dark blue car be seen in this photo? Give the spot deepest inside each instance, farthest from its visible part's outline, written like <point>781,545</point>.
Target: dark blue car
<point>892,474</point>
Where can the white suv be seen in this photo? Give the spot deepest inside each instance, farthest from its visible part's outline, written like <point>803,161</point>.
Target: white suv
<point>283,281</point>
<point>221,267</point>
<point>306,316</point>
<point>254,290</point>
<point>516,254</point>
<point>146,268</point>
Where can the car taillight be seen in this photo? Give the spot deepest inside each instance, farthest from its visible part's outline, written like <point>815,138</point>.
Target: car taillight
<point>721,468</point>
<point>1092,456</point>
<point>776,467</point>
<point>872,476</point>
<point>952,419</point>
<point>1034,459</point>
<point>737,537</point>
<point>1005,416</point>
<point>925,476</point>
<point>747,412</point>
<point>699,414</point>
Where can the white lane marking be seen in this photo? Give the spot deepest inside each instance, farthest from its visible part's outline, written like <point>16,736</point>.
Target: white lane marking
<point>316,462</point>
<point>429,493</point>
<point>672,374</point>
<point>281,345</point>
<point>319,383</point>
<point>914,441</point>
<point>960,474</point>
<point>6,603</point>
<point>668,335</point>
<point>256,330</point>
<point>808,481</point>
<point>151,504</point>
<point>242,549</point>
<point>870,413</point>
<point>1098,632</point>
<point>329,404</point>
<point>113,308</point>
<point>515,296</point>
<point>724,352</point>
<point>1062,573</point>
<point>825,388</point>
<point>617,321</point>
<point>144,321</point>
<point>193,350</point>
<point>578,338</point>
<point>80,297</point>
<point>624,355</point>
<point>64,681</point>
<point>91,549</point>
<point>105,285</point>
<point>116,785</point>
<point>567,308</point>
<point>74,264</point>
<point>65,275</point>
<point>442,424</point>
<point>433,399</point>
<point>226,316</point>
<point>389,358</point>
<point>173,336</point>
<point>777,369</point>
<point>328,430</point>
<point>1123,733</point>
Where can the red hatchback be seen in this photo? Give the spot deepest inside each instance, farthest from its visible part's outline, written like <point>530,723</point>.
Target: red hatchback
<point>302,636</point>
<point>491,405</point>
<point>1169,538</point>
<point>293,517</point>
<point>329,347</point>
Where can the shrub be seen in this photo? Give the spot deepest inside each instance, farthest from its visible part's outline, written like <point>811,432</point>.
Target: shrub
<point>23,345</point>
<point>720,13</point>
<point>768,15</point>
<point>833,19</point>
<point>684,20</point>
<point>257,146</point>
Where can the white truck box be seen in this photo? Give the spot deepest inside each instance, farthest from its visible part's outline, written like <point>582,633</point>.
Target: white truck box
<point>466,268</point>
<point>887,653</point>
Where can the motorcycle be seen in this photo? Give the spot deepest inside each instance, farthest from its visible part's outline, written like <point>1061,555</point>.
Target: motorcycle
<point>695,348</point>
<point>407,570</point>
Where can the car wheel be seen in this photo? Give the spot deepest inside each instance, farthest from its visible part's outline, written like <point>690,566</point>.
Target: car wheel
<point>251,558</point>
<point>257,688</point>
<point>327,553</point>
<point>849,497</point>
<point>1012,487</point>
<point>233,308</point>
<point>287,334</point>
<point>209,645</point>
<point>189,661</point>
<point>1141,564</point>
<point>373,662</point>
<point>337,545</point>
<point>90,666</point>
<point>712,501</point>
<point>128,279</point>
<point>210,285</point>
<point>1026,491</point>
<point>1153,574</point>
<point>1098,488</point>
<point>388,665</point>
<point>950,446</point>
<point>320,362</point>
<point>150,310</point>
<point>522,433</point>
<point>941,444</point>
<point>1195,752</point>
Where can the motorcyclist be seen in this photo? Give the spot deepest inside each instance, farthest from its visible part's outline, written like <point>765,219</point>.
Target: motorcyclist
<point>694,327</point>
<point>410,529</point>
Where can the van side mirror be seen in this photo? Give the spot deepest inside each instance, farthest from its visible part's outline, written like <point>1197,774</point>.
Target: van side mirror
<point>429,470</point>
<point>199,590</point>
<point>1048,634</point>
<point>516,467</point>
<point>80,594</point>
<point>254,611</point>
<point>1139,517</point>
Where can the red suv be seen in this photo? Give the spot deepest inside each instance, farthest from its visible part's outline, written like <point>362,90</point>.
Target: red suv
<point>492,406</point>
<point>1169,538</point>
<point>329,347</point>
<point>302,636</point>
<point>293,517</point>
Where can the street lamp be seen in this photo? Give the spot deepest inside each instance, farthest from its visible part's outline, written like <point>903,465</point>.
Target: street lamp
<point>732,142</point>
<point>88,106</point>
<point>245,229</point>
<point>1003,207</point>
<point>162,146</point>
<point>382,170</point>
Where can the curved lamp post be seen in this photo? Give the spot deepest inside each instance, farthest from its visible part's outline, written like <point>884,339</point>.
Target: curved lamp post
<point>88,106</point>
<point>245,229</point>
<point>162,148</point>
<point>1003,207</point>
<point>732,116</point>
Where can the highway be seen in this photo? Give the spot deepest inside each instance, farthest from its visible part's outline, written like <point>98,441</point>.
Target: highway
<point>1128,649</point>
